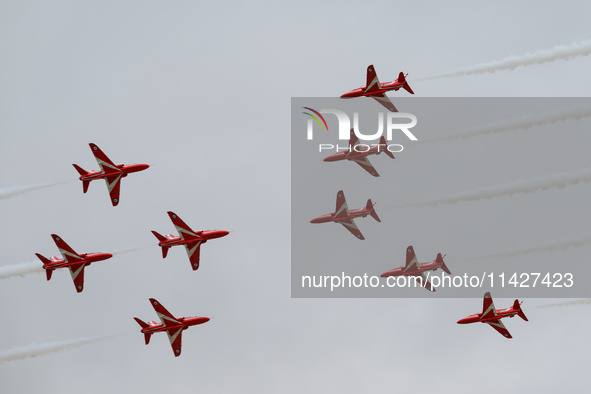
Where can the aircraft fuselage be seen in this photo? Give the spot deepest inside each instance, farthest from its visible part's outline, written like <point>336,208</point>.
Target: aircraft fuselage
<point>353,213</point>
<point>56,262</point>
<point>185,322</point>
<point>124,169</point>
<point>477,317</point>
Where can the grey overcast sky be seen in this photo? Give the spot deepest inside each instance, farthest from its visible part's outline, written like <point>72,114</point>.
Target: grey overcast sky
<point>201,92</point>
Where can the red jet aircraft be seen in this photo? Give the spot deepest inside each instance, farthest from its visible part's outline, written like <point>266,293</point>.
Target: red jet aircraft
<point>173,326</point>
<point>72,260</point>
<point>374,89</point>
<point>110,172</point>
<point>417,270</point>
<point>345,217</point>
<point>492,316</point>
<point>359,156</point>
<point>191,239</point>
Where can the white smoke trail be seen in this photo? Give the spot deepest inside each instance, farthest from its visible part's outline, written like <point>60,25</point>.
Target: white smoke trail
<point>21,269</point>
<point>564,52</point>
<point>522,123</point>
<point>129,250</point>
<point>36,350</point>
<point>9,192</point>
<point>545,247</point>
<point>553,181</point>
<point>583,301</point>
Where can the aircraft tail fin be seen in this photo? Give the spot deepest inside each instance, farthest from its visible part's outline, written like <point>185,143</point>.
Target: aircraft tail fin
<point>443,266</point>
<point>517,306</point>
<point>82,172</point>
<point>140,322</point>
<point>43,259</point>
<point>147,337</point>
<point>384,146</point>
<point>159,236</point>
<point>370,207</point>
<point>405,86</point>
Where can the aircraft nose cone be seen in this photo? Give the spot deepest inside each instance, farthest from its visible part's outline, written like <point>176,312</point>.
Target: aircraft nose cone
<point>463,321</point>
<point>144,166</point>
<point>224,233</point>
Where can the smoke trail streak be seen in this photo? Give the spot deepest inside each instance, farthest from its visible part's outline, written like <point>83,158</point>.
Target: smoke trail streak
<point>564,52</point>
<point>583,301</point>
<point>522,123</point>
<point>553,181</point>
<point>36,350</point>
<point>9,192</point>
<point>129,250</point>
<point>21,269</point>
<point>545,247</point>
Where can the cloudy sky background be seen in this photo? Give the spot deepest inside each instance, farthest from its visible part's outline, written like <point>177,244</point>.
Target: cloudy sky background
<point>201,92</point>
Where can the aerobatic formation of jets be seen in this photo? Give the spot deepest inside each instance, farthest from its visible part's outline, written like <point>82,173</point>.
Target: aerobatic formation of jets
<point>192,240</point>
<point>77,262</point>
<point>342,215</point>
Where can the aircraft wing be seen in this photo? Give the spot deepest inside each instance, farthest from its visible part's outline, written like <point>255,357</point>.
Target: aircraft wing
<point>366,165</point>
<point>385,101</point>
<point>500,327</point>
<point>341,209</point>
<point>77,272</point>
<point>67,253</point>
<point>114,186</point>
<point>193,252</point>
<point>165,316</point>
<point>106,165</point>
<point>184,231</point>
<point>372,82</point>
<point>353,140</point>
<point>412,263</point>
<point>175,336</point>
<point>422,279</point>
<point>350,225</point>
<point>488,307</point>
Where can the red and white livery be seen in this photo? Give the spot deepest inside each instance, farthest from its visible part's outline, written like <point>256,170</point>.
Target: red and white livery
<point>73,261</point>
<point>358,154</point>
<point>417,270</point>
<point>377,91</point>
<point>343,216</point>
<point>173,326</point>
<point>110,172</point>
<point>192,240</point>
<point>492,316</point>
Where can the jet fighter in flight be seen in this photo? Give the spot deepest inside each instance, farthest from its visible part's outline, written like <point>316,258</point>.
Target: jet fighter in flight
<point>72,260</point>
<point>173,326</point>
<point>417,270</point>
<point>191,239</point>
<point>345,217</point>
<point>110,172</point>
<point>492,316</point>
<point>358,155</point>
<point>377,91</point>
